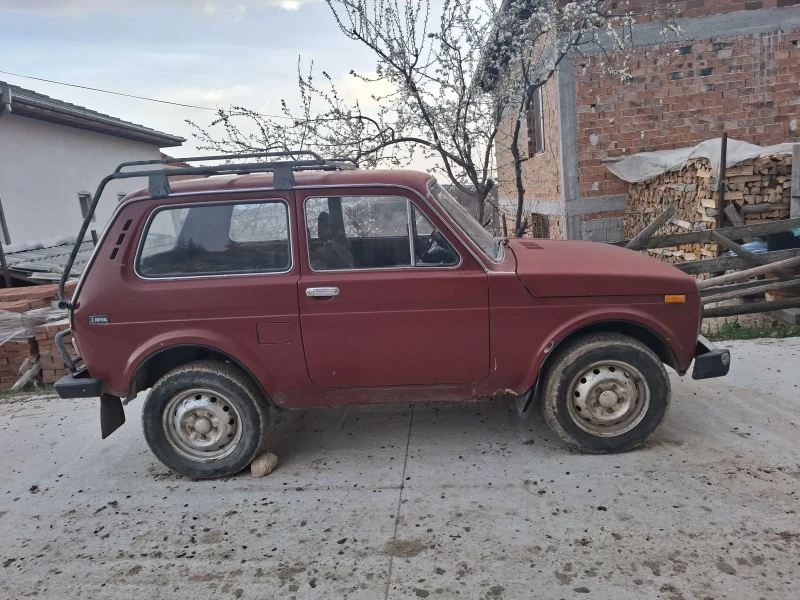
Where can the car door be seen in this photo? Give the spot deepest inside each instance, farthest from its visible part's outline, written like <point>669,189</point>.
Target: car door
<point>373,310</point>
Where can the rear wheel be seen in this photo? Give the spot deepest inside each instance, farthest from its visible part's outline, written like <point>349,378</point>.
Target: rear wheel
<point>605,393</point>
<point>205,419</point>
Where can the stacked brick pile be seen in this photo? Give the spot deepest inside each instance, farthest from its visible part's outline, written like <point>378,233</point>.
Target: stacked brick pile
<point>12,354</point>
<point>15,351</point>
<point>760,188</point>
<point>20,300</point>
<point>52,364</point>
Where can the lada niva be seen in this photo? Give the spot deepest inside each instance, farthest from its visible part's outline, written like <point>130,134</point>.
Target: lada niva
<point>293,282</point>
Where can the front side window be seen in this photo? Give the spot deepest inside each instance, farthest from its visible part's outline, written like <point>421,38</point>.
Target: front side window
<point>489,244</point>
<point>372,232</point>
<point>217,239</point>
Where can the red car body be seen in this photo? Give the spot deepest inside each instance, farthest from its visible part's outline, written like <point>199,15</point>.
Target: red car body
<point>474,330</point>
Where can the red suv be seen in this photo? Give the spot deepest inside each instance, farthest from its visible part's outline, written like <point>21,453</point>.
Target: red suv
<point>299,283</point>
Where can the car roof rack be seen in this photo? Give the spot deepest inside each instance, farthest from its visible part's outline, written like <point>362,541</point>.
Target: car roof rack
<point>283,165</point>
<point>283,170</point>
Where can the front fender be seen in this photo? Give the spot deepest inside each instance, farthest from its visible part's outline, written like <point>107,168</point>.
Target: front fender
<point>598,315</point>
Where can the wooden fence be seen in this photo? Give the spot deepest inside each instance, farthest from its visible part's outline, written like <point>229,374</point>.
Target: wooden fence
<point>744,263</point>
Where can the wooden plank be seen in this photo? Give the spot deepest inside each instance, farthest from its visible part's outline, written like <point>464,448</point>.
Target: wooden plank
<point>730,288</point>
<point>748,273</point>
<point>764,207</point>
<point>765,287</point>
<point>750,308</point>
<point>732,233</point>
<point>753,259</point>
<point>736,219</point>
<point>795,209</point>
<point>645,234</point>
<point>729,263</point>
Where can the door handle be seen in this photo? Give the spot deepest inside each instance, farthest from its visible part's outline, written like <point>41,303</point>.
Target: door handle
<point>322,292</point>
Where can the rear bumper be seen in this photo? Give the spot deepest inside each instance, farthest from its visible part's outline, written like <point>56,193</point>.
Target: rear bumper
<point>710,361</point>
<point>79,385</point>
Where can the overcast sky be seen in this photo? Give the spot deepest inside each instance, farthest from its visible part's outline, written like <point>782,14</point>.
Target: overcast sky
<point>203,52</point>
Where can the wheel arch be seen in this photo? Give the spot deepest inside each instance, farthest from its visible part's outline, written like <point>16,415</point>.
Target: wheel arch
<point>637,331</point>
<point>161,362</point>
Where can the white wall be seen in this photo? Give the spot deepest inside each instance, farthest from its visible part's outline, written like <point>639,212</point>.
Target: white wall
<point>43,167</point>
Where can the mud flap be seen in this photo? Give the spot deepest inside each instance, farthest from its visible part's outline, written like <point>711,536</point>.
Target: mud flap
<point>523,402</point>
<point>112,415</point>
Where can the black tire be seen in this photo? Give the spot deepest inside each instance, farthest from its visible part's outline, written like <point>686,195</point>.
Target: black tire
<point>605,355</point>
<point>237,396</point>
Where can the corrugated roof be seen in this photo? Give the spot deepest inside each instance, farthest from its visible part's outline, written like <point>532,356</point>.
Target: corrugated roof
<point>47,264</point>
<point>28,103</point>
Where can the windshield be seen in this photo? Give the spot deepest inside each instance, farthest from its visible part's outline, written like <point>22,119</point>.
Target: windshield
<point>483,239</point>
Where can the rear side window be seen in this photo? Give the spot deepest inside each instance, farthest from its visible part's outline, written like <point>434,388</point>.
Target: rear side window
<point>217,239</point>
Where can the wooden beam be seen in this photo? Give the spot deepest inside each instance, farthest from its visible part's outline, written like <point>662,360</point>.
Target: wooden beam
<point>750,308</point>
<point>730,288</point>
<point>645,234</point>
<point>732,233</point>
<point>750,257</point>
<point>764,207</point>
<point>731,263</point>
<point>4,264</point>
<point>748,273</point>
<point>766,287</point>
<point>794,210</point>
<point>736,219</point>
<point>722,187</point>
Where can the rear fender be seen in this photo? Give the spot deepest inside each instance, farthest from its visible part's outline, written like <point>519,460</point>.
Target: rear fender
<point>248,361</point>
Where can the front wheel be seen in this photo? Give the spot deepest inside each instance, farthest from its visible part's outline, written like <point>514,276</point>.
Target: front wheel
<point>205,419</point>
<point>605,393</point>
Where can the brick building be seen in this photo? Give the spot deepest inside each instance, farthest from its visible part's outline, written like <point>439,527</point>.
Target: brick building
<point>734,68</point>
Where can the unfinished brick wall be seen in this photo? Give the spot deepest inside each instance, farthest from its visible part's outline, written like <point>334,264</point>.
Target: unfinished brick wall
<point>682,94</point>
<point>700,8</point>
<point>541,171</point>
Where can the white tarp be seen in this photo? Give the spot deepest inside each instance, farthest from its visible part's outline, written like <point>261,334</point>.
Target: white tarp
<point>647,165</point>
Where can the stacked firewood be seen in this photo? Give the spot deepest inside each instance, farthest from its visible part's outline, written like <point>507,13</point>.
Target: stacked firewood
<point>759,188</point>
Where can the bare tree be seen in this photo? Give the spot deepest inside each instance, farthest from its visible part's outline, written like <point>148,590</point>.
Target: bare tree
<point>453,79</point>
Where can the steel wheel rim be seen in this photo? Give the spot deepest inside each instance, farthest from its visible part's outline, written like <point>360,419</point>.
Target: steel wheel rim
<point>202,425</point>
<point>608,399</point>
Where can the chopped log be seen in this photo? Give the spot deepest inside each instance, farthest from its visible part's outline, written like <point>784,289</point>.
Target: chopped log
<point>645,234</point>
<point>750,257</point>
<point>750,308</point>
<point>732,233</point>
<point>765,287</point>
<point>748,273</point>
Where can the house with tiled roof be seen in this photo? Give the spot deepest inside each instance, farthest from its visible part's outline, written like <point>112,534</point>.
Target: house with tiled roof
<point>53,154</point>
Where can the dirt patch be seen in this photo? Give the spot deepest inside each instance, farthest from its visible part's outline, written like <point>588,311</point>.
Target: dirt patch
<point>404,548</point>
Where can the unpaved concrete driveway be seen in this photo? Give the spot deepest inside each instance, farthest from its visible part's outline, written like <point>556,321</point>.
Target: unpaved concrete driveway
<point>434,501</point>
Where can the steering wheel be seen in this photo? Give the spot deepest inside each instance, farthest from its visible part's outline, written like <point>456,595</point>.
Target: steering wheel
<point>429,245</point>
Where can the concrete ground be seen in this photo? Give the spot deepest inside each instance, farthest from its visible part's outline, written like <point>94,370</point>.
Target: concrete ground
<point>431,501</point>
